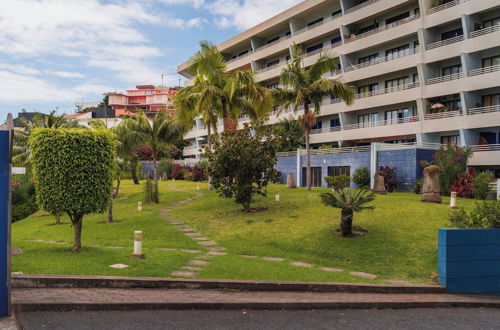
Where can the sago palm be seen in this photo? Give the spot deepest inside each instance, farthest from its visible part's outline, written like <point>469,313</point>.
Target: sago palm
<point>305,86</point>
<point>349,201</point>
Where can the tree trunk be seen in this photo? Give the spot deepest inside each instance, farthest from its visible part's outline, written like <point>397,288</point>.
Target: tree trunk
<point>133,171</point>
<point>118,181</point>
<point>156,197</point>
<point>77,221</point>
<point>308,153</point>
<point>346,222</point>
<point>110,210</point>
<point>209,142</point>
<point>58,219</point>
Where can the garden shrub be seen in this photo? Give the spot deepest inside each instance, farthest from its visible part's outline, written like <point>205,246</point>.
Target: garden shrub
<point>361,177</point>
<point>188,176</point>
<point>389,174</point>
<point>178,171</point>
<point>23,197</point>
<point>338,182</point>
<point>481,185</point>
<point>418,186</point>
<point>199,174</point>
<point>463,185</point>
<point>73,171</point>
<point>485,214</point>
<point>452,161</point>
<point>165,166</point>
<point>144,153</point>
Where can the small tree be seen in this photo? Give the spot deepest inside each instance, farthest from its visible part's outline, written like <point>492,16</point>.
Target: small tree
<point>241,164</point>
<point>349,201</point>
<point>452,161</point>
<point>73,170</point>
<point>481,185</point>
<point>338,182</point>
<point>361,177</point>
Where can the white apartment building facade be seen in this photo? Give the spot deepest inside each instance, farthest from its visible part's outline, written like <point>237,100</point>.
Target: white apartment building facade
<point>424,71</point>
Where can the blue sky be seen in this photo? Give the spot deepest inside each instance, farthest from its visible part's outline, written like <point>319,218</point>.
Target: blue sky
<point>53,53</point>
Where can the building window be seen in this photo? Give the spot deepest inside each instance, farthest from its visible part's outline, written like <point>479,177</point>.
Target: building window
<point>339,170</point>
<point>315,176</point>
<point>398,82</point>
<point>368,88</point>
<point>491,100</point>
<point>288,33</point>
<point>367,120</point>
<point>452,34</point>
<point>416,79</point>
<point>273,63</point>
<point>273,39</point>
<point>273,86</point>
<point>397,51</point>
<point>337,12</point>
<point>491,22</point>
<point>149,92</point>
<point>491,61</point>
<point>318,125</point>
<point>315,21</point>
<point>288,58</point>
<point>453,105</point>
<point>315,47</point>
<point>398,116</point>
<point>368,28</point>
<point>397,18</point>
<point>453,140</point>
<point>335,122</point>
<point>336,40</point>
<point>454,69</point>
<point>243,53</point>
<point>368,58</point>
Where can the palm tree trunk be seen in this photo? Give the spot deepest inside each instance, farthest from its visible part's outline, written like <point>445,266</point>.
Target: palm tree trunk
<point>308,153</point>
<point>133,171</point>
<point>209,142</point>
<point>346,222</point>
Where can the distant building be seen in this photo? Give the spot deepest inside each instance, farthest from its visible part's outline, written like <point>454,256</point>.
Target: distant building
<point>85,105</point>
<point>108,116</point>
<point>26,116</point>
<point>148,98</point>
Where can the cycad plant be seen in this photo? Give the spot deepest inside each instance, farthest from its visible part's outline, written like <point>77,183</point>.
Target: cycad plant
<point>349,201</point>
<point>306,86</point>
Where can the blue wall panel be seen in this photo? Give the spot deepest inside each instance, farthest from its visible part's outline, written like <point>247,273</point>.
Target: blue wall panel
<point>4,222</point>
<point>287,165</point>
<point>469,260</point>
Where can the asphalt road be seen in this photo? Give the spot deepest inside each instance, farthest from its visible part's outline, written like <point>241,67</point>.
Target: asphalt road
<point>456,318</point>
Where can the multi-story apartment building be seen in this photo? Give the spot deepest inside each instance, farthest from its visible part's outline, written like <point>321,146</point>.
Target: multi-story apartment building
<point>149,98</point>
<point>424,71</point>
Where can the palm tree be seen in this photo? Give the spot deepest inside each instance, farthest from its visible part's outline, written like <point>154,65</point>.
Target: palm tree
<point>219,94</point>
<point>157,134</point>
<point>306,88</point>
<point>349,201</point>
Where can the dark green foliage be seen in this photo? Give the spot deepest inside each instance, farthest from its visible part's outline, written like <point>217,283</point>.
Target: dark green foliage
<point>481,185</point>
<point>349,201</point>
<point>452,160</point>
<point>484,215</point>
<point>242,165</point>
<point>292,136</point>
<point>151,194</point>
<point>165,166</point>
<point>73,170</point>
<point>418,186</point>
<point>338,182</point>
<point>23,197</point>
<point>361,177</point>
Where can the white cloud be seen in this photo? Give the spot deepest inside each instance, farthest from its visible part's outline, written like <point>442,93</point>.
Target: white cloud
<point>64,74</point>
<point>195,3</point>
<point>19,68</point>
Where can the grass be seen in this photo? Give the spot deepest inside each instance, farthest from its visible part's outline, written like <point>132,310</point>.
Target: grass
<point>401,242</point>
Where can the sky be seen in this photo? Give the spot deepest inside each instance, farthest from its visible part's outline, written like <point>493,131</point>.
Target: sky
<point>55,53</point>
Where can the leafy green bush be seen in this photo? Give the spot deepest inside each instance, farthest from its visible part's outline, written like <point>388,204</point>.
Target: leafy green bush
<point>165,166</point>
<point>418,186</point>
<point>73,170</point>
<point>361,177</point>
<point>338,182</point>
<point>23,197</point>
<point>481,185</point>
<point>452,161</point>
<point>484,215</point>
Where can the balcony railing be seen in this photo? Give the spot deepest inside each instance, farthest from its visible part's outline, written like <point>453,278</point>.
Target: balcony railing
<point>268,68</point>
<point>484,31</point>
<point>480,110</point>
<point>315,25</point>
<point>383,28</point>
<point>445,42</point>
<point>485,147</point>
<point>273,42</point>
<point>387,90</point>
<point>488,69</point>
<point>445,6</point>
<point>239,57</point>
<point>449,77</point>
<point>319,50</point>
<point>326,130</point>
<point>384,59</point>
<point>446,114</point>
<point>412,119</point>
<point>362,5</point>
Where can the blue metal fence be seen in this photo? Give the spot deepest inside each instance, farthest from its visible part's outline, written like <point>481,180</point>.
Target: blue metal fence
<point>4,223</point>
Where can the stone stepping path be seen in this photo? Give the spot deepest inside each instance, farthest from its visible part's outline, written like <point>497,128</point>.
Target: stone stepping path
<point>364,275</point>
<point>301,264</point>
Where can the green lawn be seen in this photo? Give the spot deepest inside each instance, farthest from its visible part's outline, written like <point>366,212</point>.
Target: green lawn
<point>401,242</point>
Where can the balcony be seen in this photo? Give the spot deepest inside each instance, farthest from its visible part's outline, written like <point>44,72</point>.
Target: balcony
<point>383,28</point>
<point>387,90</point>
<point>317,51</point>
<point>362,5</point>
<point>273,43</point>
<point>445,6</point>
<point>411,119</point>
<point>191,151</point>
<point>239,57</point>
<point>481,110</point>
<point>484,31</point>
<point>445,42</point>
<point>449,77</point>
<point>326,130</point>
<point>271,67</point>
<point>488,69</point>
<point>384,59</point>
<point>445,114</point>
<point>485,147</point>
<point>485,155</point>
<point>315,25</point>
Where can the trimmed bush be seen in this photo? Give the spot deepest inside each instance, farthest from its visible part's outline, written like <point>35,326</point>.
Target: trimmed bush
<point>463,185</point>
<point>338,182</point>
<point>361,177</point>
<point>484,215</point>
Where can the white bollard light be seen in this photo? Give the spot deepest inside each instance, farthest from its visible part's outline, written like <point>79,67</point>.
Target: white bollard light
<point>138,245</point>
<point>139,206</point>
<point>197,186</point>
<point>453,200</point>
<point>277,196</point>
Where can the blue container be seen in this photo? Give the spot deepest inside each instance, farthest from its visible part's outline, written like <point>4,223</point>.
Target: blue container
<point>469,260</point>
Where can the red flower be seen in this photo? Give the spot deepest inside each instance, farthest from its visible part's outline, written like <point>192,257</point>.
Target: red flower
<point>33,181</point>
<point>15,185</point>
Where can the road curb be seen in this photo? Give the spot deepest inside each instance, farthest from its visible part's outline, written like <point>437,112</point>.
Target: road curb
<point>119,282</point>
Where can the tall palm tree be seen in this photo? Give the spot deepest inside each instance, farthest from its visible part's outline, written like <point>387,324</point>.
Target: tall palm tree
<point>306,87</point>
<point>158,134</point>
<point>349,201</point>
<point>217,93</point>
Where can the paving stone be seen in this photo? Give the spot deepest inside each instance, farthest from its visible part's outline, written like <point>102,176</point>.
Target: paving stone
<point>187,229</point>
<point>216,253</point>
<point>114,247</point>
<point>301,264</point>
<point>198,262</point>
<point>272,259</point>
<point>183,273</point>
<point>364,275</point>
<point>167,249</point>
<point>119,266</point>
<point>395,281</point>
<point>217,248</point>
<point>330,269</point>
<point>15,251</point>
<point>207,243</point>
<point>200,238</point>
<point>190,251</point>
<point>16,273</point>
<point>191,268</point>
<point>247,256</point>
<point>61,243</point>
<point>192,234</point>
